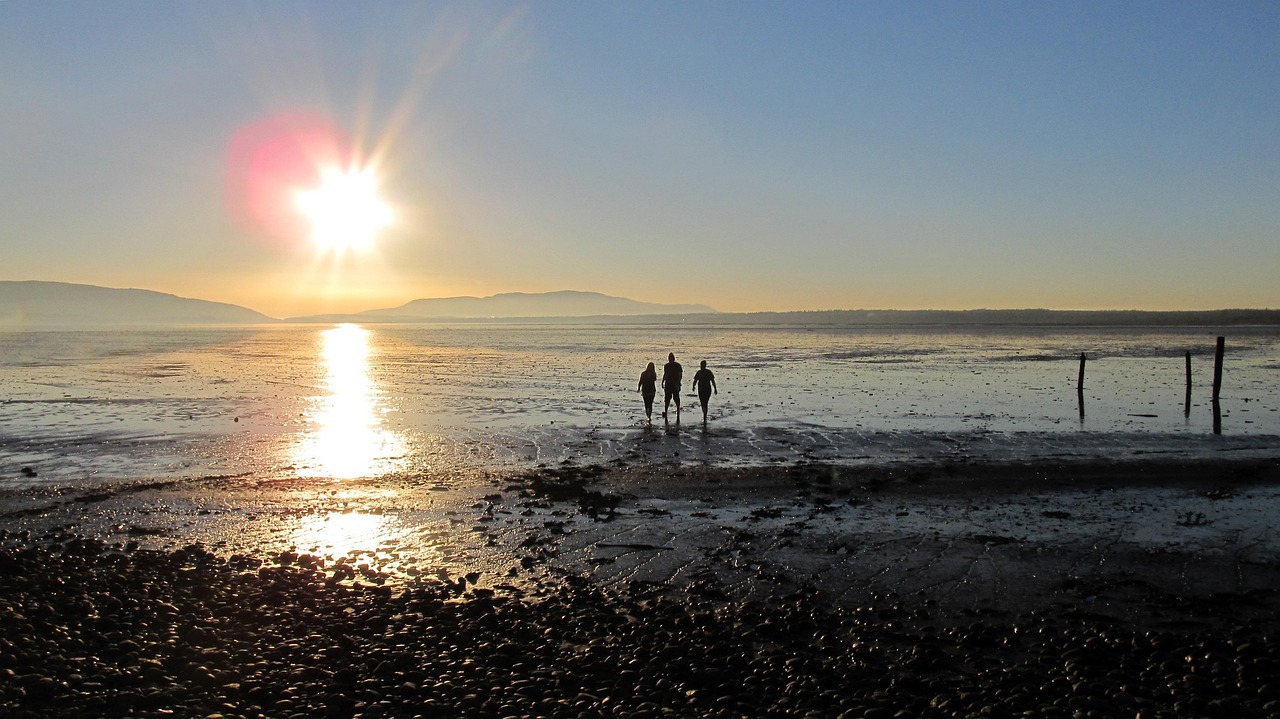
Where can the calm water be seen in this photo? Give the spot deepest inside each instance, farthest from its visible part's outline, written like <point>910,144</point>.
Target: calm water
<point>350,401</point>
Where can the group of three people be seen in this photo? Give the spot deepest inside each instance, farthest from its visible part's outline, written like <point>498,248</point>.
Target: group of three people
<point>672,374</point>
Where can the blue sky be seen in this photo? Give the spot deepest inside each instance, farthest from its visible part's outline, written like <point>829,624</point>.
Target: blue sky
<point>746,155</point>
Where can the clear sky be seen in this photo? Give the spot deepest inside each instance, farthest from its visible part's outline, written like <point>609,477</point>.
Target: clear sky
<point>746,155</point>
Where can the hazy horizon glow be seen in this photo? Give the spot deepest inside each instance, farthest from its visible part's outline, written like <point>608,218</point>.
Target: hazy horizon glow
<point>744,155</point>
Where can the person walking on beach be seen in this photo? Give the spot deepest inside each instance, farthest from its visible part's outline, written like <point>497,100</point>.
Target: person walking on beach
<point>648,388</point>
<point>672,374</point>
<point>705,382</point>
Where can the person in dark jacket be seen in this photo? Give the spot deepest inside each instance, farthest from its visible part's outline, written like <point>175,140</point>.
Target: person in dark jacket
<point>672,374</point>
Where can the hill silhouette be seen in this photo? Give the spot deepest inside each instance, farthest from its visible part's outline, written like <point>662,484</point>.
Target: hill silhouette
<point>33,304</point>
<point>565,303</point>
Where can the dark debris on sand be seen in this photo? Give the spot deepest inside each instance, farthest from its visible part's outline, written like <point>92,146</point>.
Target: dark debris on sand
<point>568,484</point>
<point>88,629</point>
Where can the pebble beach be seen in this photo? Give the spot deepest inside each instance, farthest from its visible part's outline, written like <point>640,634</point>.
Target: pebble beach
<point>805,590</point>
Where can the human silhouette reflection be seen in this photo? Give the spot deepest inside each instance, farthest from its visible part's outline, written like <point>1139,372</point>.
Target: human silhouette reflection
<point>672,374</point>
<point>704,381</point>
<point>648,389</point>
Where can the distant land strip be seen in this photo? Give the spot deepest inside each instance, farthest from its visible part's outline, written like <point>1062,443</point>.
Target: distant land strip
<point>872,318</point>
<point>30,304</point>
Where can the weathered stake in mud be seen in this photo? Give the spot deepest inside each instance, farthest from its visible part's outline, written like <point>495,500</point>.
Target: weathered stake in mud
<point>1217,384</point>
<point>1080,388</point>
<point>1186,405</point>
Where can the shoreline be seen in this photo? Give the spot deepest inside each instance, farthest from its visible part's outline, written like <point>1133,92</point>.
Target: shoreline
<point>560,519</point>
<point>970,537</point>
<point>938,590</point>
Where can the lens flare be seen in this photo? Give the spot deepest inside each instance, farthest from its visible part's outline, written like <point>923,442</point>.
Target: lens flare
<point>269,161</point>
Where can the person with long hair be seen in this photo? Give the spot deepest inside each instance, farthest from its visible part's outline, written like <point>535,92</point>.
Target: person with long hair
<point>648,388</point>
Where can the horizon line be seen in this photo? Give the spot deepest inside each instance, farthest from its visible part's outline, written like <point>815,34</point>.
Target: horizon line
<point>711,311</point>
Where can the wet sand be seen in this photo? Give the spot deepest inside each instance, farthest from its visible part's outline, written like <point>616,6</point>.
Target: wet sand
<point>1075,589</point>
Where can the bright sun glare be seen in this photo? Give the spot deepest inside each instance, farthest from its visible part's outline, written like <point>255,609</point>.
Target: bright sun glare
<point>345,210</point>
<point>348,439</point>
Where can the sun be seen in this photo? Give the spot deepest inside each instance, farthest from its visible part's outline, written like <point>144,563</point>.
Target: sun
<point>345,211</point>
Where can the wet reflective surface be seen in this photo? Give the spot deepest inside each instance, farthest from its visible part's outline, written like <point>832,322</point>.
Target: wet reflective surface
<point>340,534</point>
<point>347,437</point>
<point>336,403</point>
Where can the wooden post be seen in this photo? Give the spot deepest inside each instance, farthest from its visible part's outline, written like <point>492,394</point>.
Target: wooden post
<point>1080,388</point>
<point>1217,367</point>
<point>1217,384</point>
<point>1186,406</point>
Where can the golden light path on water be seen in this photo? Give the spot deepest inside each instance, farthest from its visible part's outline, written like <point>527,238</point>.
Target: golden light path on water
<point>339,534</point>
<point>347,438</point>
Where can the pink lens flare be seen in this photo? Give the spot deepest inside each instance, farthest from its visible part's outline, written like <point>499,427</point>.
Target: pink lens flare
<point>269,160</point>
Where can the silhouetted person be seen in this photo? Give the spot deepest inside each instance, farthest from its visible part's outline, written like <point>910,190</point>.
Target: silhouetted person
<point>648,388</point>
<point>705,382</point>
<point>672,374</point>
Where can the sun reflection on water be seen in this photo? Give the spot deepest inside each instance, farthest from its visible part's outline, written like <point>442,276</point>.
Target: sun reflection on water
<point>340,534</point>
<point>348,439</point>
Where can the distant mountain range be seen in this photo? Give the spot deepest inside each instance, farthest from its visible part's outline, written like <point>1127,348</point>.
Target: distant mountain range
<point>999,318</point>
<point>33,305</point>
<point>36,305</point>
<point>510,305</point>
